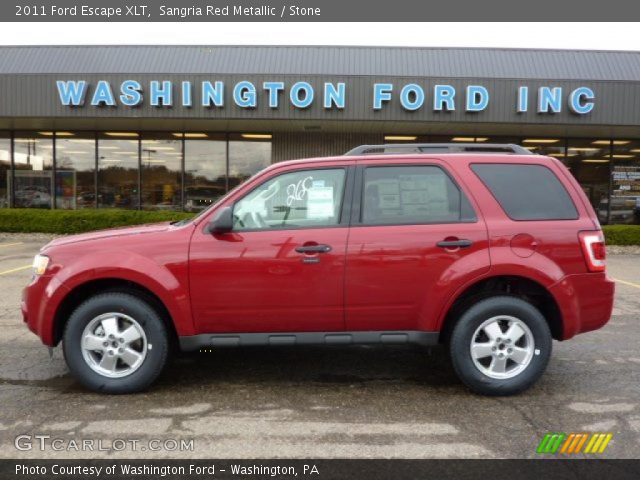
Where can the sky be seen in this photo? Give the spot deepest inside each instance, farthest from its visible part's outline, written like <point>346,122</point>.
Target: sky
<point>589,36</point>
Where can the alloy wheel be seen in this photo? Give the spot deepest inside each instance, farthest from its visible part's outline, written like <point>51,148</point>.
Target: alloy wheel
<point>114,345</point>
<point>502,347</point>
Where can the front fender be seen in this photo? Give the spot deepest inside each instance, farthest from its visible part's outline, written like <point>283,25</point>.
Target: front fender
<point>167,282</point>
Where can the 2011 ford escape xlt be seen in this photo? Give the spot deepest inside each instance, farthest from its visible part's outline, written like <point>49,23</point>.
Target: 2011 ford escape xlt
<point>491,251</point>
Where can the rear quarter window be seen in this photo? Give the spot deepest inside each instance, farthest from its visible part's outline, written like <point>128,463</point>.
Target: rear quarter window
<point>527,192</point>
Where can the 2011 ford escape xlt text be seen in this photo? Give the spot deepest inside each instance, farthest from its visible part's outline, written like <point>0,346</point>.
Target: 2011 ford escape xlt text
<point>489,250</point>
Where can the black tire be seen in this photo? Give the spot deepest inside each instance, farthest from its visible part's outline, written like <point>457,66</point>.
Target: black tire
<point>148,319</point>
<point>472,319</point>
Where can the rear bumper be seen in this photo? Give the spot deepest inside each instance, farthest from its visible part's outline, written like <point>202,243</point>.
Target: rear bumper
<point>585,301</point>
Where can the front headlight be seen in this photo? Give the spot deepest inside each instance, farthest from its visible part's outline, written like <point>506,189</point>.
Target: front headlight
<point>40,264</point>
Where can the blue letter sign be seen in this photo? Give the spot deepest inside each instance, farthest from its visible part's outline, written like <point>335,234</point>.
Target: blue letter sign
<point>72,93</point>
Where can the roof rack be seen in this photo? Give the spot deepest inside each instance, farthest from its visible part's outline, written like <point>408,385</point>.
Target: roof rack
<point>392,148</point>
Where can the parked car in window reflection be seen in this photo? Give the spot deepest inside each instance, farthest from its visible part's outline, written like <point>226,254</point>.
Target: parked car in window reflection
<point>623,210</point>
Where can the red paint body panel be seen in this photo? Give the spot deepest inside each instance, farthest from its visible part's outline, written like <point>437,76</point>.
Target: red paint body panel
<point>397,278</point>
<point>257,282</point>
<point>374,278</point>
<point>40,300</point>
<point>586,302</point>
<point>153,256</point>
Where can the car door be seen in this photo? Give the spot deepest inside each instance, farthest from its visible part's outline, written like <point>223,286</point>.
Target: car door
<point>281,268</point>
<point>414,237</point>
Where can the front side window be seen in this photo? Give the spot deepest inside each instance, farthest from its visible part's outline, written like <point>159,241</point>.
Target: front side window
<point>412,195</point>
<point>307,198</point>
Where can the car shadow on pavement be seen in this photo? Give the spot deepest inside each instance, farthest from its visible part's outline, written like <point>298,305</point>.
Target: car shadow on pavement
<point>318,365</point>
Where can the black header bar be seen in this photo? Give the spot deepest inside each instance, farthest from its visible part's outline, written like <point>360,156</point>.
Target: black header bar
<point>257,469</point>
<point>317,11</point>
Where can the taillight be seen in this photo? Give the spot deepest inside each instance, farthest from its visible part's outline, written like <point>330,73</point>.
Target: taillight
<point>594,250</point>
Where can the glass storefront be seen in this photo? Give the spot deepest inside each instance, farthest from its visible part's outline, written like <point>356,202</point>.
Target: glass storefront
<point>128,170</point>
<point>191,170</point>
<point>161,172</point>
<point>118,170</point>
<point>33,170</point>
<point>589,162</point>
<point>205,169</point>
<point>5,168</point>
<point>625,182</point>
<point>549,146</point>
<point>248,154</point>
<point>468,139</point>
<point>75,170</point>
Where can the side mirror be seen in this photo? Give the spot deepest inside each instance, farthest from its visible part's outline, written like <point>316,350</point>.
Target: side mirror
<point>222,222</point>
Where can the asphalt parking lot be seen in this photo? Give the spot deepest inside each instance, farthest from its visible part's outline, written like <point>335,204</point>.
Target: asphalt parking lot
<point>317,402</point>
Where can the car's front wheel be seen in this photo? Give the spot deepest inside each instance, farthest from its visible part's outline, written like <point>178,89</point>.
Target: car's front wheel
<point>500,346</point>
<point>115,343</point>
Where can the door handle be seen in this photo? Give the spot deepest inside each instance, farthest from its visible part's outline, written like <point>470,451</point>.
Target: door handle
<point>313,249</point>
<point>464,243</point>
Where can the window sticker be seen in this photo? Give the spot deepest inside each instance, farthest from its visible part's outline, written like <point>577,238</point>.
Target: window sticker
<point>297,192</point>
<point>320,202</point>
<point>389,193</point>
<point>424,194</point>
<point>415,196</point>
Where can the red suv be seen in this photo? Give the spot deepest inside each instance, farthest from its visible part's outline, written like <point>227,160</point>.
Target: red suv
<point>492,254</point>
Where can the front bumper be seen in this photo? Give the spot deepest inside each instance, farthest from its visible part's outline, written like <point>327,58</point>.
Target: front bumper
<point>585,301</point>
<point>40,300</point>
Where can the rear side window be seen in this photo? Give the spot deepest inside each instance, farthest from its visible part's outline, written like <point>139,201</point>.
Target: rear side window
<point>412,195</point>
<point>527,192</point>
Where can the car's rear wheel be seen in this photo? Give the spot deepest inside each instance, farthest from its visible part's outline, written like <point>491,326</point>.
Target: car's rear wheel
<point>500,346</point>
<point>115,343</point>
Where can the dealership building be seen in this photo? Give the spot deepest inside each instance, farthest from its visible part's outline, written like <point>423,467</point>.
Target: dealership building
<point>175,127</point>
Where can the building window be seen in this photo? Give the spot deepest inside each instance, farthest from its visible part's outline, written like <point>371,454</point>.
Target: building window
<point>589,162</point>
<point>551,147</point>
<point>248,154</point>
<point>118,170</point>
<point>458,138</point>
<point>205,169</point>
<point>5,168</point>
<point>75,170</point>
<point>391,138</point>
<point>161,174</point>
<point>625,182</point>
<point>33,174</point>
<point>490,139</point>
